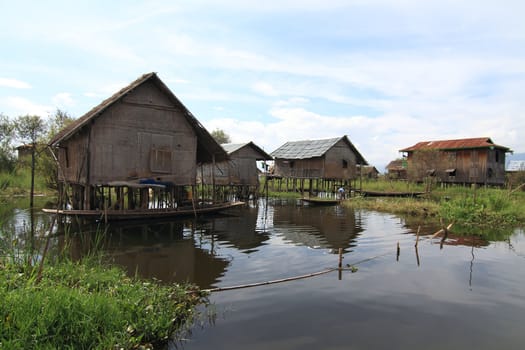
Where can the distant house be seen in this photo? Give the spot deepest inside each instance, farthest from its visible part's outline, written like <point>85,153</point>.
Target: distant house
<point>397,169</point>
<point>239,171</point>
<point>24,151</point>
<point>367,171</point>
<point>466,161</point>
<point>335,158</point>
<point>138,140</point>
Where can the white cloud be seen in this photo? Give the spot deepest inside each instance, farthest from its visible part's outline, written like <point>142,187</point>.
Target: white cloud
<point>63,99</point>
<point>14,83</point>
<point>22,106</point>
<point>264,89</point>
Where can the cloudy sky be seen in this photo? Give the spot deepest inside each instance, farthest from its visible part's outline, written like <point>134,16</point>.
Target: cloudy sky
<point>386,73</point>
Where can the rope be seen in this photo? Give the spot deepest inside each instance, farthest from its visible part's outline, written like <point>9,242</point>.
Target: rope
<point>288,279</point>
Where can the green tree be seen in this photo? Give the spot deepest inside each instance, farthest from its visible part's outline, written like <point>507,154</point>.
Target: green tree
<point>220,136</point>
<point>30,129</point>
<point>7,132</point>
<point>47,165</point>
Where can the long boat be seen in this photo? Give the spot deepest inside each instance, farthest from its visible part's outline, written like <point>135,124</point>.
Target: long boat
<point>321,201</point>
<point>389,194</point>
<point>137,214</point>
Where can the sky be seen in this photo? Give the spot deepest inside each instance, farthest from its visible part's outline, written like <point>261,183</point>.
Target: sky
<point>386,73</point>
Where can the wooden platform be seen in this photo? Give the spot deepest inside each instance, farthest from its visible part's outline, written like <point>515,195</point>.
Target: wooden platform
<point>138,214</point>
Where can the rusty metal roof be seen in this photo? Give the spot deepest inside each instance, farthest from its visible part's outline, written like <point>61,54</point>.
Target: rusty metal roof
<point>313,148</point>
<point>471,143</point>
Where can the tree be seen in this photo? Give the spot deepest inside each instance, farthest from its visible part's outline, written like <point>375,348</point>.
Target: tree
<point>220,136</point>
<point>30,128</point>
<point>7,131</point>
<point>47,165</point>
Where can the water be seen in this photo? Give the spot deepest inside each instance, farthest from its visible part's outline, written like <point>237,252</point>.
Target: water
<point>465,293</point>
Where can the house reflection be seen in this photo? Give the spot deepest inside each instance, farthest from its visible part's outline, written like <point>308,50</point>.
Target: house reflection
<point>329,227</point>
<point>169,251</point>
<point>242,232</point>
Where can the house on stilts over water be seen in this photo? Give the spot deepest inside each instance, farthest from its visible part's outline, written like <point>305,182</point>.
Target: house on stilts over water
<point>316,165</point>
<point>237,177</point>
<point>134,154</point>
<point>460,161</point>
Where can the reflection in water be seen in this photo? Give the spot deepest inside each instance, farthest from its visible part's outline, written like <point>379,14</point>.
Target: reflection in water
<point>474,280</point>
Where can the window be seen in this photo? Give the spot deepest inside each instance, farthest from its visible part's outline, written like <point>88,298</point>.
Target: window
<point>345,164</point>
<point>160,161</point>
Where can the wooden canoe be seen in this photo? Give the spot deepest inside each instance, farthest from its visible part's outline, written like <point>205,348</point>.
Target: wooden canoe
<point>137,214</point>
<point>390,194</point>
<point>321,201</point>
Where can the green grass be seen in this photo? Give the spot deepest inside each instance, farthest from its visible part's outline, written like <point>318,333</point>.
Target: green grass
<point>85,304</point>
<point>19,182</point>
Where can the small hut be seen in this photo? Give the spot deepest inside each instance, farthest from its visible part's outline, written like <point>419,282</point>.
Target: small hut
<point>463,161</point>
<point>397,169</point>
<point>369,172</point>
<point>329,163</point>
<point>140,148</point>
<point>238,176</point>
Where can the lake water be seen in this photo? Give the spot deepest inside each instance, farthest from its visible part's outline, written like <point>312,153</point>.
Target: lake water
<point>462,293</point>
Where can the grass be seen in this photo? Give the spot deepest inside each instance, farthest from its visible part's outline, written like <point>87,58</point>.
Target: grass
<point>86,304</point>
<point>19,183</point>
<point>465,206</point>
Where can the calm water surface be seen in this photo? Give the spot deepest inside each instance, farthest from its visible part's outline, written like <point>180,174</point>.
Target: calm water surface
<point>466,293</point>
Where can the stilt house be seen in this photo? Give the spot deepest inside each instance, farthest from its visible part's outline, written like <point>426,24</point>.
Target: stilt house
<point>239,175</point>
<point>140,141</point>
<point>333,160</point>
<point>464,161</point>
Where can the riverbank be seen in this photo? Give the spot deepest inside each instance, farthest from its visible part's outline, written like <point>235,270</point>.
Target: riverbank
<point>89,305</point>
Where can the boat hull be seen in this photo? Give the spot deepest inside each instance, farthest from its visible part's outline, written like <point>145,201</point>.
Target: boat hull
<point>141,214</point>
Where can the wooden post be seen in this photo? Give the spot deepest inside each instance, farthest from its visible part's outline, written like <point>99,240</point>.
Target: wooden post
<point>398,252</point>
<point>417,236</point>
<point>340,265</point>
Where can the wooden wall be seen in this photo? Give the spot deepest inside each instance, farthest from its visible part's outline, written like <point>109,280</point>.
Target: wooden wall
<point>141,136</point>
<point>481,166</point>
<point>339,162</point>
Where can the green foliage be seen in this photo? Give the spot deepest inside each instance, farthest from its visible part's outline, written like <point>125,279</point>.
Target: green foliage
<point>7,131</point>
<point>85,305</point>
<point>220,136</point>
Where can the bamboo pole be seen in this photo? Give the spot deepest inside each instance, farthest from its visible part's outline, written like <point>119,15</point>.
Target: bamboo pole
<point>417,235</point>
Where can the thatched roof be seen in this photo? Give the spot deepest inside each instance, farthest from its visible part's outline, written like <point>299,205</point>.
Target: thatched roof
<point>206,144</point>
<point>313,148</point>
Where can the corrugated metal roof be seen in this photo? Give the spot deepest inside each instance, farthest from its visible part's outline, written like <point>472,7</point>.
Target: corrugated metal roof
<point>313,148</point>
<point>304,149</point>
<point>234,147</point>
<point>479,142</point>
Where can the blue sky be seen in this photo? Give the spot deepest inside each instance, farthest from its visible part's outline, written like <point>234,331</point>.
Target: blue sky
<point>386,73</point>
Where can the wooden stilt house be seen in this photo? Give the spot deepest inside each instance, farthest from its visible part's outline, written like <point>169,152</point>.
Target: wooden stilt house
<point>328,163</point>
<point>238,176</point>
<point>462,161</point>
<point>138,149</point>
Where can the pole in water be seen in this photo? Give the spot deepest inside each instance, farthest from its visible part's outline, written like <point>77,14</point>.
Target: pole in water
<point>340,265</point>
<point>398,251</point>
